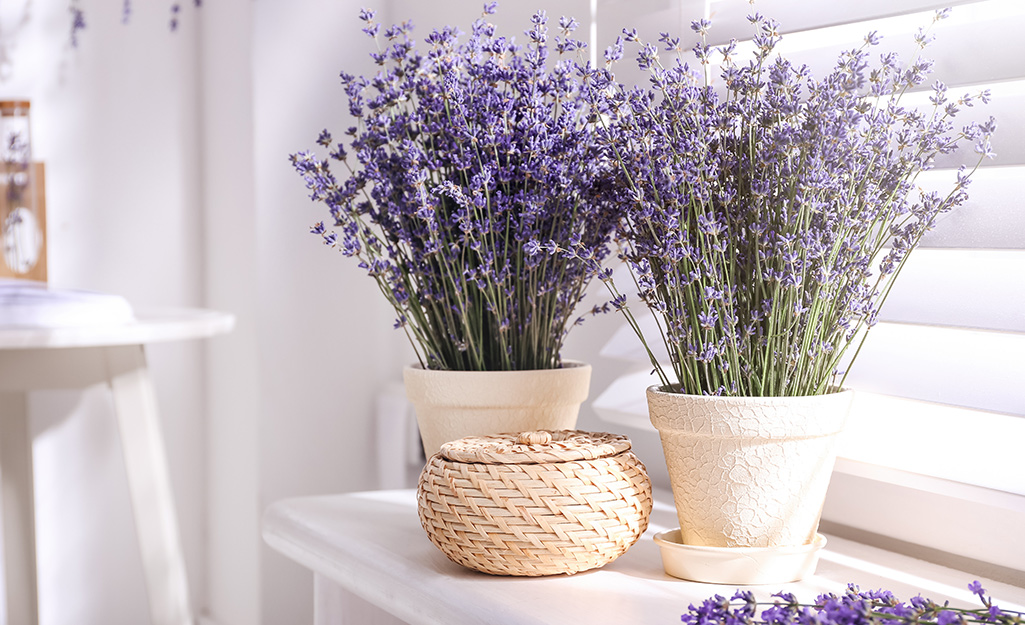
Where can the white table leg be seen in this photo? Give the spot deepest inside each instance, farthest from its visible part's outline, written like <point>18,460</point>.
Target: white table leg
<point>334,605</point>
<point>18,509</point>
<point>149,484</point>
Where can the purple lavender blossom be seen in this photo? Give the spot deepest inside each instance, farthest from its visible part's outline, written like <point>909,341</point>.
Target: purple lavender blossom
<point>78,22</point>
<point>854,607</point>
<point>474,189</point>
<point>976,588</point>
<point>765,220</point>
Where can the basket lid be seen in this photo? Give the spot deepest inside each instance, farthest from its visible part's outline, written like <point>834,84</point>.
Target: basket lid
<point>537,447</point>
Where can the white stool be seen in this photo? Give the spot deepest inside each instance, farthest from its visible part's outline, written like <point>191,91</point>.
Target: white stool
<point>77,357</point>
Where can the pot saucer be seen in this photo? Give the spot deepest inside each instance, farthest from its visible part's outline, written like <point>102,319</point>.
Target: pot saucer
<point>738,565</point>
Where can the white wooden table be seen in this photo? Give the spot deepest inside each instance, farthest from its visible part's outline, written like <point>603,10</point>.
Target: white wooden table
<point>33,359</point>
<point>372,563</point>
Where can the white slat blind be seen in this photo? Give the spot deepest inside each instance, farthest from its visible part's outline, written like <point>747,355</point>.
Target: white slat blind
<point>941,380</point>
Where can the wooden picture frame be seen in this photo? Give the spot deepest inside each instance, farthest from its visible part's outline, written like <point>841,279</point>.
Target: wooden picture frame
<point>39,271</point>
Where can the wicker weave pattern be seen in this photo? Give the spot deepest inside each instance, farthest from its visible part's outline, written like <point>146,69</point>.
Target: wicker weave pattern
<point>536,447</point>
<point>535,519</point>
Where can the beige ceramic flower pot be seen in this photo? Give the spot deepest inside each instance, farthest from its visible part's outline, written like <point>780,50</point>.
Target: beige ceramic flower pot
<point>453,404</point>
<point>748,471</point>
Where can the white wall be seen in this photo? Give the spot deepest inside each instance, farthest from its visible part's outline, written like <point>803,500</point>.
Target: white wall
<point>234,401</point>
<point>325,341</point>
<point>116,123</point>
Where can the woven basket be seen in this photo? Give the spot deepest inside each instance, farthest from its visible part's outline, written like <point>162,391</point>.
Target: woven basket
<point>535,503</point>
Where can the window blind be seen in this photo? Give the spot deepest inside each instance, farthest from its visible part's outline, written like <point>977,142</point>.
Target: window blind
<point>941,379</point>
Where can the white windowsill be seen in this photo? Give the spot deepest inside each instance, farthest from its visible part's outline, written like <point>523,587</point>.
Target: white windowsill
<point>974,528</point>
<point>371,545</point>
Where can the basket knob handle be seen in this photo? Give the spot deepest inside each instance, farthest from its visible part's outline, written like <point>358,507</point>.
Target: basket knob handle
<point>534,438</point>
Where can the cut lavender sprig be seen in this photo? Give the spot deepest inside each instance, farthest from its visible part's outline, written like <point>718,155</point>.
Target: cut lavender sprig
<point>854,607</point>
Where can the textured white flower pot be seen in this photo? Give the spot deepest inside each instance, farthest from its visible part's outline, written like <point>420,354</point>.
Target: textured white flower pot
<point>748,471</point>
<point>452,404</point>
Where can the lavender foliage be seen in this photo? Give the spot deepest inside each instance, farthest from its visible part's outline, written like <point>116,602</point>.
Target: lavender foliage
<point>854,607</point>
<point>768,212</point>
<point>78,22</point>
<point>464,161</point>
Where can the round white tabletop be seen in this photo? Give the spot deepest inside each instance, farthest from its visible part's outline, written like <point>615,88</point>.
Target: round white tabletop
<point>149,326</point>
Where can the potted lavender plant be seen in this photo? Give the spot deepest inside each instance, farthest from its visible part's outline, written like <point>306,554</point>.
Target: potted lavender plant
<point>459,156</point>
<point>765,221</point>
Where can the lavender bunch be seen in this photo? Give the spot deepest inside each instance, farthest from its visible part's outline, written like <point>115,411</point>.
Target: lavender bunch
<point>462,159</point>
<point>855,607</point>
<point>768,214</point>
<point>78,22</point>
